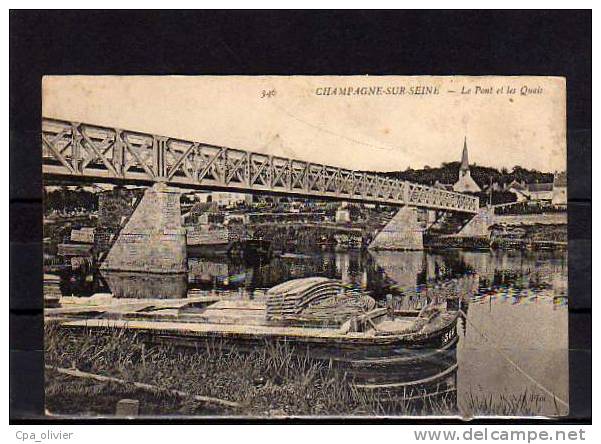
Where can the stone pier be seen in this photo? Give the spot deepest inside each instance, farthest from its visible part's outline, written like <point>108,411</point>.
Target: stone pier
<point>153,239</point>
<point>403,232</point>
<point>480,224</point>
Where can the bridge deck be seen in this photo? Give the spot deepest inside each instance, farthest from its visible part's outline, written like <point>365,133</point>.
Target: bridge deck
<point>82,151</point>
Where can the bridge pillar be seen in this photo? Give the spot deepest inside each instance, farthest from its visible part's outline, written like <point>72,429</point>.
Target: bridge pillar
<point>343,214</point>
<point>479,225</point>
<point>153,239</point>
<point>403,232</point>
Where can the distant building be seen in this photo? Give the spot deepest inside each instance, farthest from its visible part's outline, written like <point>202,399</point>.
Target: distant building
<point>224,199</point>
<point>519,189</point>
<point>443,186</point>
<point>560,189</point>
<point>540,191</point>
<point>552,192</point>
<point>465,184</point>
<point>494,186</point>
<point>85,235</point>
<point>209,217</point>
<point>343,214</point>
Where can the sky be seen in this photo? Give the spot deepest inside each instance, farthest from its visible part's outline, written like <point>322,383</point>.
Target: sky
<point>507,121</point>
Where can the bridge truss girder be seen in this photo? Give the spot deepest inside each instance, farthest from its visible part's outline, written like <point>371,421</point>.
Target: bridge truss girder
<point>90,152</point>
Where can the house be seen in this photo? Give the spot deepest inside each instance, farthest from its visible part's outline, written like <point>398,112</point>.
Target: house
<point>224,199</point>
<point>560,189</point>
<point>85,235</point>
<point>236,218</point>
<point>465,183</point>
<point>443,186</point>
<point>209,217</point>
<point>519,189</point>
<point>493,187</point>
<point>540,191</point>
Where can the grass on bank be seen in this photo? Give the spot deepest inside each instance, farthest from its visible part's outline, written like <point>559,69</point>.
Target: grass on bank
<point>271,380</point>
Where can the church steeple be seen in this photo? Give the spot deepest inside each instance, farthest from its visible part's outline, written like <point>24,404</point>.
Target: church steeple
<point>465,165</point>
<point>465,184</point>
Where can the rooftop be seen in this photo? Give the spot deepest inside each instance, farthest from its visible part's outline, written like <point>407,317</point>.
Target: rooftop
<point>540,187</point>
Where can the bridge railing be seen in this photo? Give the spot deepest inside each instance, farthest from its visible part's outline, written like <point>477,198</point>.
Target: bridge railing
<point>101,153</point>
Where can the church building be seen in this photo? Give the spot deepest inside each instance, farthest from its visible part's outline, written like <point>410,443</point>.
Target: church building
<point>465,184</point>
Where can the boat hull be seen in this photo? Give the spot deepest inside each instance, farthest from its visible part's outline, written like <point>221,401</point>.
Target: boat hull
<point>397,367</point>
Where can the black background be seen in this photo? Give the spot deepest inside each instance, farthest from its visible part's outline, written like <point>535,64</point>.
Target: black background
<point>554,43</point>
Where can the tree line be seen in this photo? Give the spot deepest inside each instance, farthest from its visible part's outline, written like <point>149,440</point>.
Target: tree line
<point>448,173</point>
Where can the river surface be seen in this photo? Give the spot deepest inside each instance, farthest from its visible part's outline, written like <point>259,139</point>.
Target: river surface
<point>512,349</point>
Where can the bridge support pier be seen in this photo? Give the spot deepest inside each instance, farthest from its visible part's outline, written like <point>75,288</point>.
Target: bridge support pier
<point>153,239</point>
<point>480,224</point>
<point>403,232</point>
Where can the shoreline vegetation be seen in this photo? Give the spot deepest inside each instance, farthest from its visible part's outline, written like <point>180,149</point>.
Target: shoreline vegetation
<point>270,381</point>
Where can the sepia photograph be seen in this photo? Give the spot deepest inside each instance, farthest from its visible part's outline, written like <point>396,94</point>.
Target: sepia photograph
<point>305,246</point>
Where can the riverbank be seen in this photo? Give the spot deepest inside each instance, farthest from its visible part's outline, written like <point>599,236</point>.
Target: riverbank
<point>508,233</point>
<point>532,236</point>
<point>271,381</point>
<point>527,231</point>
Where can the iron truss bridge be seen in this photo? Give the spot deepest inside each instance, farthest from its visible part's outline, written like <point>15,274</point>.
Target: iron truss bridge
<point>88,152</point>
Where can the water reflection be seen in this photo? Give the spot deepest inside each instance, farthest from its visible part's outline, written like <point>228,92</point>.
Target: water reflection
<point>380,273</point>
<point>145,285</point>
<point>517,277</point>
<point>514,342</point>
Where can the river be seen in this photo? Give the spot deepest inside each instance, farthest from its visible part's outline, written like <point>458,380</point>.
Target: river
<point>513,348</point>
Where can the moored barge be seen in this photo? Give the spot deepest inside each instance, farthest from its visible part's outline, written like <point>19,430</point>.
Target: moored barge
<point>381,349</point>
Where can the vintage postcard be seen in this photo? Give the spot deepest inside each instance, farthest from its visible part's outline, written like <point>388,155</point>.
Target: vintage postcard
<point>276,246</point>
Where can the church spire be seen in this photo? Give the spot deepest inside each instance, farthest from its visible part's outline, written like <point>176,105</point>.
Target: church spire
<point>465,184</point>
<point>465,166</point>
